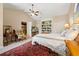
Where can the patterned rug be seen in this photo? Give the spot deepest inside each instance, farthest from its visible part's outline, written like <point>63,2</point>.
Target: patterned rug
<point>28,49</point>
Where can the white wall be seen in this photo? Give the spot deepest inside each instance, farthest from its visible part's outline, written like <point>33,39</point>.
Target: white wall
<point>71,13</point>
<point>1,25</point>
<point>15,17</point>
<point>58,23</point>
<point>38,24</point>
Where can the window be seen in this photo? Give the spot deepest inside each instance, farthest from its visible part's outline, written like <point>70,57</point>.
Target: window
<point>77,9</point>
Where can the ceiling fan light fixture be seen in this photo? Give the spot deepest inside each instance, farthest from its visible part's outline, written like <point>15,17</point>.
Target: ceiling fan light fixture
<point>34,12</point>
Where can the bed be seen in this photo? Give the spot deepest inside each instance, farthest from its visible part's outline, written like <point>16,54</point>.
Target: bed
<point>55,41</point>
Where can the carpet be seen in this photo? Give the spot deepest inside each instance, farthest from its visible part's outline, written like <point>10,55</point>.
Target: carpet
<point>28,49</point>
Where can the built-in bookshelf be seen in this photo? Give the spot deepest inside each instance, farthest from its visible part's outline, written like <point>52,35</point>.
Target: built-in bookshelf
<point>46,26</point>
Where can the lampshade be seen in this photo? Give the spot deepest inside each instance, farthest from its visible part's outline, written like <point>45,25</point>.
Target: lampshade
<point>77,20</point>
<point>67,26</point>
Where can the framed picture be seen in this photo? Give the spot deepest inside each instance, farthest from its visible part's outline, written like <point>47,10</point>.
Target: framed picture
<point>7,27</point>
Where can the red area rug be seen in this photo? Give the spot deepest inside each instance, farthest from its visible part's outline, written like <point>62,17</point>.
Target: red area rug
<point>28,49</point>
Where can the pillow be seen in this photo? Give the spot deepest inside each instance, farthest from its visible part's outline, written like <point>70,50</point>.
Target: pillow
<point>71,34</point>
<point>63,33</point>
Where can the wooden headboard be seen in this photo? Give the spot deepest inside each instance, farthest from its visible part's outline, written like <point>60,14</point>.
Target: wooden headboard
<point>73,47</point>
<point>77,38</point>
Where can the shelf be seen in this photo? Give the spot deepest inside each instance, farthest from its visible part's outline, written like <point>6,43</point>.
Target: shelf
<point>46,26</point>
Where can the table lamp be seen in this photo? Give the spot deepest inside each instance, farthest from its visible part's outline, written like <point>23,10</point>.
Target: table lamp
<point>67,26</point>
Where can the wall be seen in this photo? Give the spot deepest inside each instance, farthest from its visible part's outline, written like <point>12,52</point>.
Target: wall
<point>71,13</point>
<point>58,23</point>
<point>1,25</point>
<point>15,17</point>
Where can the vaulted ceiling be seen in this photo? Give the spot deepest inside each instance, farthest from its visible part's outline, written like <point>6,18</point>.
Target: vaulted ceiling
<point>46,10</point>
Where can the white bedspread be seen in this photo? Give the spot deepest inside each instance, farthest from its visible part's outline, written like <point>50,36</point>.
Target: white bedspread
<point>55,41</point>
<point>55,45</point>
<point>52,36</point>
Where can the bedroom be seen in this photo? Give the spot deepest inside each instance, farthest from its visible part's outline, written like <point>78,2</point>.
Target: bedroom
<point>38,29</point>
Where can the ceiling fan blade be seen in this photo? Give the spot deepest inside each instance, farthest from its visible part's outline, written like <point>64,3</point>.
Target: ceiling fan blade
<point>32,4</point>
<point>33,12</point>
<point>37,12</point>
<point>30,10</point>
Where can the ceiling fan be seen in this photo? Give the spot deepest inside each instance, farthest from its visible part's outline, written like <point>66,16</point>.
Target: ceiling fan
<point>34,12</point>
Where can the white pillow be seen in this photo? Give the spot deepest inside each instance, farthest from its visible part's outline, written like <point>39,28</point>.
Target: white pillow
<point>64,32</point>
<point>71,34</point>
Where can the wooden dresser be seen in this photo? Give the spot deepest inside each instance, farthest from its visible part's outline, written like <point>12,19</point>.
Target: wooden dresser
<point>73,47</point>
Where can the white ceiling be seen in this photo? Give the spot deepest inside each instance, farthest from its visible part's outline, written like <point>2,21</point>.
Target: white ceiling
<point>47,10</point>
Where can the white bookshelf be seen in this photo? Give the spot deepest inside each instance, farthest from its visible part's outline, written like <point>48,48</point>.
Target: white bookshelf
<point>46,26</point>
